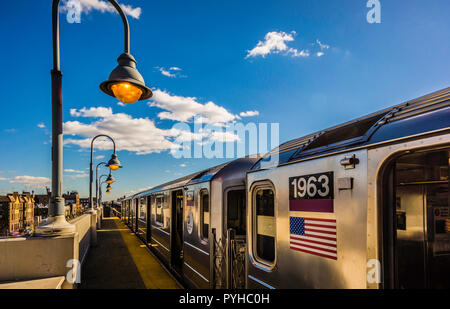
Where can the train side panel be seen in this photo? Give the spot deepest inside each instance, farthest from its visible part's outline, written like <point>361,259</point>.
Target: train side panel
<point>160,224</point>
<point>309,263</point>
<point>196,264</point>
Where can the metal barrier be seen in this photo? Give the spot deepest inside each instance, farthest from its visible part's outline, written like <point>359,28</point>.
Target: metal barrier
<point>235,261</point>
<point>116,213</point>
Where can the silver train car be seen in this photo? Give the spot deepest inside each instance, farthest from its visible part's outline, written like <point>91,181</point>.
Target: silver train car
<point>185,222</point>
<point>364,204</point>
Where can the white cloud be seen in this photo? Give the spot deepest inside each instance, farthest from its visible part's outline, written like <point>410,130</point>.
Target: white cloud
<point>31,181</point>
<point>99,157</point>
<point>274,42</point>
<point>171,72</point>
<point>183,165</point>
<point>103,6</point>
<point>131,192</point>
<point>166,73</point>
<point>3,178</point>
<point>183,109</point>
<point>139,135</point>
<point>78,176</point>
<point>121,104</point>
<point>249,114</point>
<point>92,112</point>
<point>41,125</point>
<point>322,45</point>
<point>295,53</point>
<point>69,170</point>
<point>224,137</point>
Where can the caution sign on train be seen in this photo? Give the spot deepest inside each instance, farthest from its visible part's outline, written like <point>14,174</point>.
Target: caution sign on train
<point>314,193</point>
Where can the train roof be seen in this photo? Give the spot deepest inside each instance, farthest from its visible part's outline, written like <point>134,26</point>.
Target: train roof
<point>224,170</point>
<point>425,114</point>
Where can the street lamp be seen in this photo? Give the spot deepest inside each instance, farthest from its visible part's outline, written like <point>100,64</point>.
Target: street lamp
<point>100,191</point>
<point>125,83</point>
<point>113,164</point>
<point>110,179</point>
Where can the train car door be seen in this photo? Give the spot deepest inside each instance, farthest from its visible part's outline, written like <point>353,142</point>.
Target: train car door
<point>418,240</point>
<point>235,225</point>
<point>176,248</point>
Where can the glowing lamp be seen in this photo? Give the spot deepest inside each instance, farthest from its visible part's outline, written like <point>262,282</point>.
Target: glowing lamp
<point>125,82</point>
<point>110,179</point>
<point>114,162</point>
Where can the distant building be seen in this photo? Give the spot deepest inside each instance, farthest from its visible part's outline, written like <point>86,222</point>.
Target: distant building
<point>28,210</point>
<point>73,206</point>
<point>41,202</point>
<point>84,201</point>
<point>11,214</point>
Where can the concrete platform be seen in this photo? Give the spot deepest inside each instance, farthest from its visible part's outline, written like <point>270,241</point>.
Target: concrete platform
<point>121,261</point>
<point>47,283</point>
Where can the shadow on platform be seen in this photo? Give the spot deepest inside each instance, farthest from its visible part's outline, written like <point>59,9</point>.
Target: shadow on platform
<point>121,261</point>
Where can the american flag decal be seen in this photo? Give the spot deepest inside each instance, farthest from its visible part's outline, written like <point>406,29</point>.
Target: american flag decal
<point>314,236</point>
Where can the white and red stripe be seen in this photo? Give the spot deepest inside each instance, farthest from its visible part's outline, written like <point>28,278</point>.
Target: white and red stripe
<point>318,237</point>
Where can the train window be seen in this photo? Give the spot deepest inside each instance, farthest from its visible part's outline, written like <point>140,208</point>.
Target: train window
<point>236,212</point>
<point>265,225</point>
<point>204,214</point>
<point>159,210</point>
<point>142,208</point>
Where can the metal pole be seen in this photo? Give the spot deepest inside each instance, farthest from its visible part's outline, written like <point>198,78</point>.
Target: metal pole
<point>57,224</point>
<point>91,200</point>
<point>96,182</point>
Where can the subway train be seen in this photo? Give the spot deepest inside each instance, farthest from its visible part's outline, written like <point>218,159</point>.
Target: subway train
<point>364,204</point>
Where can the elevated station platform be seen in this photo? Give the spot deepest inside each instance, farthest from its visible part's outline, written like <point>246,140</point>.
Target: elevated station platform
<point>121,261</point>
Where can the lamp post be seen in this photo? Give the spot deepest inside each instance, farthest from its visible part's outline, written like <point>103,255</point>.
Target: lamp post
<point>113,164</point>
<point>125,83</point>
<point>109,180</point>
<point>96,181</point>
<point>108,190</point>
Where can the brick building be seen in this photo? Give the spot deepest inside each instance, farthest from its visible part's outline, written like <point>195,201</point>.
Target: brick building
<point>28,210</point>
<point>11,214</point>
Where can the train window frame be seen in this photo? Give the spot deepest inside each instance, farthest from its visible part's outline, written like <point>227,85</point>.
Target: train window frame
<point>226,202</point>
<point>201,193</point>
<point>161,198</point>
<point>254,258</point>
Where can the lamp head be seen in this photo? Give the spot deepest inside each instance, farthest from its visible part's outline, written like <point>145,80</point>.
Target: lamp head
<point>110,179</point>
<point>108,188</point>
<point>125,83</point>
<point>114,162</point>
<point>107,191</point>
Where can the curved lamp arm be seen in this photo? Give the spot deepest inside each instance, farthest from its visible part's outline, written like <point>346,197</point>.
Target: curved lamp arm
<point>91,172</point>
<point>55,25</point>
<point>96,181</point>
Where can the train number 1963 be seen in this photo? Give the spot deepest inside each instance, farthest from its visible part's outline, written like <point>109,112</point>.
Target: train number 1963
<point>314,186</point>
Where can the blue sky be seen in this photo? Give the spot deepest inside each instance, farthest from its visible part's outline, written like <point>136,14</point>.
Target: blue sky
<point>364,67</point>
